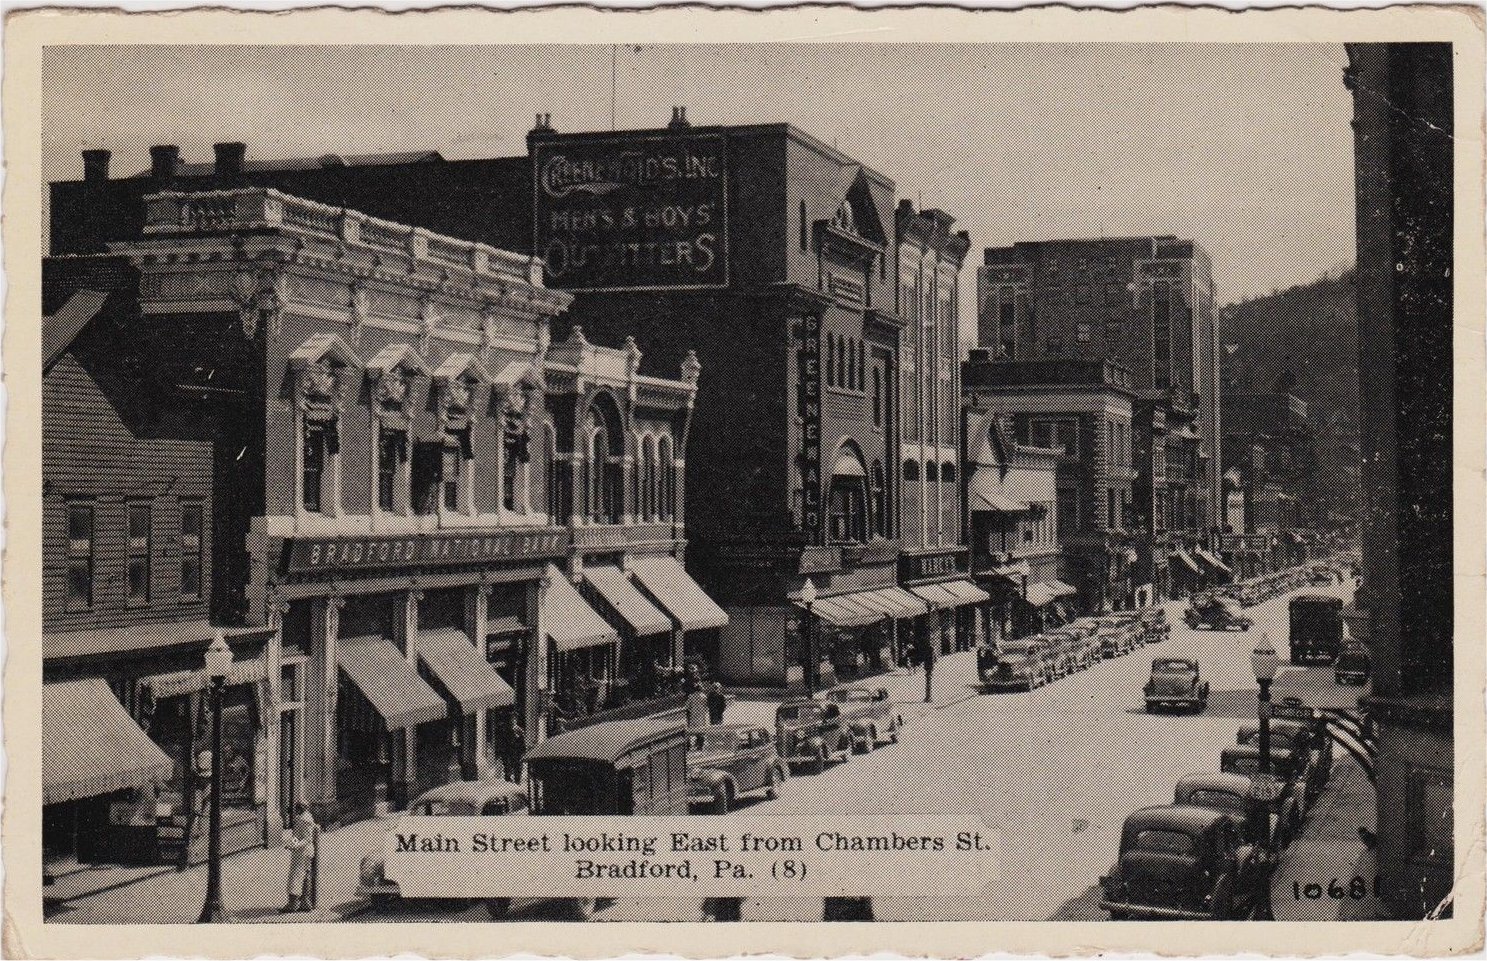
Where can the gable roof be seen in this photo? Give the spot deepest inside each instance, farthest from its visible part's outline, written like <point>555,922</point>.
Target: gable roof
<point>59,330</point>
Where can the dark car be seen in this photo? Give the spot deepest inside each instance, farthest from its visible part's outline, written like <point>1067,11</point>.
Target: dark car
<point>1018,664</point>
<point>869,714</point>
<point>727,761</point>
<point>1184,863</point>
<point>1287,768</point>
<point>1316,628</point>
<point>1210,613</point>
<point>1309,741</point>
<point>1176,684</point>
<point>811,733</point>
<point>1353,665</point>
<point>1230,793</point>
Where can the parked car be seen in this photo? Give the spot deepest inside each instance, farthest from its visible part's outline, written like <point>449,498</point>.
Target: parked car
<point>488,798</point>
<point>1209,613</point>
<point>1304,740</point>
<point>1119,634</point>
<point>811,734</point>
<point>869,714</point>
<point>1230,793</point>
<point>1321,575</point>
<point>1184,863</point>
<point>1353,664</point>
<point>1175,684</point>
<point>1316,628</point>
<point>634,767</point>
<point>727,761</point>
<point>1020,664</point>
<point>1063,652</point>
<point>1246,760</point>
<point>1155,627</point>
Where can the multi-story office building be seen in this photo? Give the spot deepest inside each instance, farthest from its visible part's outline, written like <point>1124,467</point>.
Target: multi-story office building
<point>1270,480</point>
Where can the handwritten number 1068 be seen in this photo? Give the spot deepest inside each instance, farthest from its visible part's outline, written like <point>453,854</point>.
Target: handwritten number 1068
<point>1337,889</point>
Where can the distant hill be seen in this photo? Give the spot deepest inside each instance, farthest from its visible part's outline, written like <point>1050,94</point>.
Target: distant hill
<point>1303,340</point>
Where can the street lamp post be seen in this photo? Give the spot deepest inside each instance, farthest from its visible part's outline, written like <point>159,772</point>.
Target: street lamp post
<point>1266,663</point>
<point>931,650</point>
<point>218,663</point>
<point>808,637</point>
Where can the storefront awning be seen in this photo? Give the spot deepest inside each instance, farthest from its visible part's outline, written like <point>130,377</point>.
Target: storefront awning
<point>842,611</point>
<point>986,496</point>
<point>1045,592</point>
<point>1187,560</point>
<point>570,623</point>
<point>1214,561</point>
<point>463,670</point>
<point>390,682</point>
<point>639,614</point>
<point>907,604</point>
<point>936,595</point>
<point>966,592</point>
<point>178,683</point>
<point>91,746</point>
<point>673,589</point>
<point>886,602</point>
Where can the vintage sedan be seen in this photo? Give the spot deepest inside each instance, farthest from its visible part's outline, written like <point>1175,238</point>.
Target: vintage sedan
<point>1185,863</point>
<point>869,714</point>
<point>1211,613</point>
<point>1155,627</point>
<point>1175,684</point>
<point>488,798</point>
<point>1283,765</point>
<point>1353,664</point>
<point>811,734</point>
<point>1020,664</point>
<point>727,761</point>
<point>1230,793</point>
<point>1308,741</point>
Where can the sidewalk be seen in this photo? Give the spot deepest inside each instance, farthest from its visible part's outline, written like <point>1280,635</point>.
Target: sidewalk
<point>1329,850</point>
<point>955,680</point>
<point>253,886</point>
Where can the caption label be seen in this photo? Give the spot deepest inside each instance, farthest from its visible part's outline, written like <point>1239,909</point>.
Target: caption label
<point>736,856</point>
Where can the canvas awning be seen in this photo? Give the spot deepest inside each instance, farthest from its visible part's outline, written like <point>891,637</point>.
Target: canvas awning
<point>908,605</point>
<point>390,682</point>
<point>1045,592</point>
<point>463,670</point>
<point>91,746</point>
<point>843,611</point>
<point>625,599</point>
<point>966,592</point>
<point>673,589</point>
<point>1212,560</point>
<point>1187,559</point>
<point>986,495</point>
<point>568,620</point>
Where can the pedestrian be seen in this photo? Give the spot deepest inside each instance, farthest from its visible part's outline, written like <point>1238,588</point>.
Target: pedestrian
<point>304,836</point>
<point>697,713</point>
<point>513,746</point>
<point>717,703</point>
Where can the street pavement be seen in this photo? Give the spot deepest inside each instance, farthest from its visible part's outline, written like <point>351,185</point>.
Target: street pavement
<point>1053,771</point>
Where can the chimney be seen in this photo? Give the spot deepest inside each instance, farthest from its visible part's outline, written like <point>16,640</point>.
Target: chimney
<point>679,118</point>
<point>164,161</point>
<point>229,158</point>
<point>95,164</point>
<point>543,124</point>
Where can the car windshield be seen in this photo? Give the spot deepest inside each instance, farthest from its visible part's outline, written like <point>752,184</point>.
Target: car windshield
<point>799,712</point>
<point>1243,765</point>
<point>711,741</point>
<point>440,808</point>
<point>1014,650</point>
<point>1222,800</point>
<point>1168,842</point>
<point>1172,667</point>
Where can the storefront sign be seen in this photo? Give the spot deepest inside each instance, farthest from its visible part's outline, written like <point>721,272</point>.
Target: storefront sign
<point>620,213</point>
<point>600,538</point>
<point>810,425</point>
<point>1231,543</point>
<point>340,553</point>
<point>918,567</point>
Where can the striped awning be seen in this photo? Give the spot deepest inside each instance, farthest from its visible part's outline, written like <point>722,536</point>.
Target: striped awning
<point>966,592</point>
<point>390,682</point>
<point>671,587</point>
<point>843,611</point>
<point>625,599</point>
<point>91,746</point>
<point>1187,560</point>
<point>465,673</point>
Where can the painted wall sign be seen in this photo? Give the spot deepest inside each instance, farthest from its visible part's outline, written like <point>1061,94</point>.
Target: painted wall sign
<point>916,567</point>
<point>340,553</point>
<point>810,426</point>
<point>627,213</point>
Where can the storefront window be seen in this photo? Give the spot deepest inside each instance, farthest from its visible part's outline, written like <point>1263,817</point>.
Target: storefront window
<point>191,550</point>
<point>79,556</point>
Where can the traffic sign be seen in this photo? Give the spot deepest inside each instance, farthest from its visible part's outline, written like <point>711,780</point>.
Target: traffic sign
<point>1293,712</point>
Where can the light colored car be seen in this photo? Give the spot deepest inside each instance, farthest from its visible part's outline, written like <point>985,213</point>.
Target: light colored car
<point>727,761</point>
<point>869,714</point>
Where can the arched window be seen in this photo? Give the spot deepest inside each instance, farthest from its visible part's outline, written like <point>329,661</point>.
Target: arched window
<point>598,460</point>
<point>931,472</point>
<point>557,479</point>
<point>861,365</point>
<point>848,497</point>
<point>841,361</point>
<point>911,470</point>
<point>830,359</point>
<point>667,484</point>
<point>650,497</point>
<point>947,473</point>
<point>877,397</point>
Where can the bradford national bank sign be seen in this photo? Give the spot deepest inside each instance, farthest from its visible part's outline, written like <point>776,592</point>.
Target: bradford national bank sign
<point>634,212</point>
<point>342,553</point>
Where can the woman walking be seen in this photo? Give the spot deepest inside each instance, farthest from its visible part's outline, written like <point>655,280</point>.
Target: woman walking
<point>304,836</point>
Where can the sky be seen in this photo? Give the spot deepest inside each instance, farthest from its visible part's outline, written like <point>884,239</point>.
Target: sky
<point>1245,148</point>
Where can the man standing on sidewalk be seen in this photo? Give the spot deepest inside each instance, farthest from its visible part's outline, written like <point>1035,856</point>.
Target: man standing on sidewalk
<point>927,654</point>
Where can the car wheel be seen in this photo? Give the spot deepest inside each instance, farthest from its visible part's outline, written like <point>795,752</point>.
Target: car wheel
<point>497,908</point>
<point>721,800</point>
<point>772,789</point>
<point>380,902</point>
<point>818,763</point>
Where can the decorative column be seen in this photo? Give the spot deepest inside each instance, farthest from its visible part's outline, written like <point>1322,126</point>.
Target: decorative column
<point>477,608</point>
<point>407,629</point>
<point>321,695</point>
<point>273,659</point>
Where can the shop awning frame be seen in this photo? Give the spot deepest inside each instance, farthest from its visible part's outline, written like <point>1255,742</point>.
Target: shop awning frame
<point>624,598</point>
<point>840,611</point>
<point>568,620</point>
<point>1187,559</point>
<point>178,683</point>
<point>91,746</point>
<point>985,496</point>
<point>672,589</point>
<point>389,681</point>
<point>463,670</point>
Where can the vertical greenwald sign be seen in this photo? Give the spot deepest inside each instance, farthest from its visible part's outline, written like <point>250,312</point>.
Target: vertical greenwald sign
<point>632,212</point>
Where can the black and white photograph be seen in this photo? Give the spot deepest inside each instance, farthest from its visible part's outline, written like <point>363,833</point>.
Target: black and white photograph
<point>748,482</point>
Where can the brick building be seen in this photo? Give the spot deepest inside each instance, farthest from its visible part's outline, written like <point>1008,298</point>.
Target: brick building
<point>1271,470</point>
<point>412,513</point>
